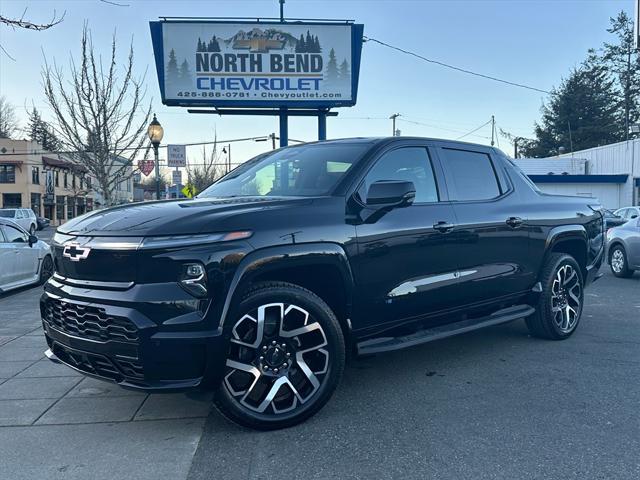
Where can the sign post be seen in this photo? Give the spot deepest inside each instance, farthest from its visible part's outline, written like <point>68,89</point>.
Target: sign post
<point>244,67</point>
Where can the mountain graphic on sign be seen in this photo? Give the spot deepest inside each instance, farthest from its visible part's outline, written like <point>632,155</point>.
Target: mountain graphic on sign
<point>261,41</point>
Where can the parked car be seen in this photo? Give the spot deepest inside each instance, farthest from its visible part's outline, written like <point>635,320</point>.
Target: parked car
<point>628,213</point>
<point>623,245</point>
<point>260,287</point>
<point>612,220</point>
<point>43,223</point>
<point>24,259</point>
<point>22,216</point>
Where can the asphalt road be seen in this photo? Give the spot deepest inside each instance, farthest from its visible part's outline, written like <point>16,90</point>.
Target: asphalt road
<point>493,404</point>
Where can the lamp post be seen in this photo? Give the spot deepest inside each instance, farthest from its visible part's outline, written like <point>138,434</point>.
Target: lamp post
<point>155,133</point>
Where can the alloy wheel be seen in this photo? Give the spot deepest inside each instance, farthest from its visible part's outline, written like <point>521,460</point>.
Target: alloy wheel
<point>566,303</point>
<point>277,359</point>
<point>617,261</point>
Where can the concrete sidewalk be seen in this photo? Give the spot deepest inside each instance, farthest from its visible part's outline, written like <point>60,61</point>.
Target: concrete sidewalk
<point>56,423</point>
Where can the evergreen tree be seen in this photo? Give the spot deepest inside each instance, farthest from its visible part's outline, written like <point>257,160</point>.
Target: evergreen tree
<point>213,46</point>
<point>623,61</point>
<point>185,72</point>
<point>581,113</point>
<point>172,67</point>
<point>300,46</point>
<point>345,73</point>
<point>316,45</point>
<point>200,46</point>
<point>308,42</point>
<point>332,66</point>
<point>41,132</point>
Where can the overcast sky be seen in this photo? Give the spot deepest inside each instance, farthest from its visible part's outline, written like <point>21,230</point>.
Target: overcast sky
<point>532,42</point>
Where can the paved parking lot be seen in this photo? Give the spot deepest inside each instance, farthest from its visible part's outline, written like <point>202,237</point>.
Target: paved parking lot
<point>489,404</point>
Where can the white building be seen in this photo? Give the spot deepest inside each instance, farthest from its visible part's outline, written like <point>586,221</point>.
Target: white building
<point>610,172</point>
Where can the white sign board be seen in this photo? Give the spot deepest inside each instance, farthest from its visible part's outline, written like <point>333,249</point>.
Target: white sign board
<point>258,64</point>
<point>177,177</point>
<point>176,156</point>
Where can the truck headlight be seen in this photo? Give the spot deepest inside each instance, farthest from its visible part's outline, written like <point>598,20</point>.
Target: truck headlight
<point>194,279</point>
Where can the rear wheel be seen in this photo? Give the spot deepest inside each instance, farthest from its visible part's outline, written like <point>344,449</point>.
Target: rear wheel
<point>559,308</point>
<point>619,263</point>
<point>285,357</point>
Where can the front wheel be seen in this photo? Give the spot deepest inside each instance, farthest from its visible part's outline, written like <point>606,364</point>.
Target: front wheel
<point>46,270</point>
<point>285,357</point>
<point>32,229</point>
<point>559,308</point>
<point>619,263</point>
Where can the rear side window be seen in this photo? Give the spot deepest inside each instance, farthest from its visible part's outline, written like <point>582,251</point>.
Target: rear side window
<point>470,175</point>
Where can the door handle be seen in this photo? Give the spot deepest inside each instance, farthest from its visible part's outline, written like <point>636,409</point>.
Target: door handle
<point>514,222</point>
<point>443,227</point>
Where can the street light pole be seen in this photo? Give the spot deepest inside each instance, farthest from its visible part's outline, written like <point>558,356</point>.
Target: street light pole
<point>155,133</point>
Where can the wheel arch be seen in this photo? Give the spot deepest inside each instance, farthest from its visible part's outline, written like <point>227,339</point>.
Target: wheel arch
<point>572,240</point>
<point>322,268</point>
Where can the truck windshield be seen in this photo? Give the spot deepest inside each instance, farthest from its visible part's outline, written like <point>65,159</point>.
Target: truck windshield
<point>306,170</point>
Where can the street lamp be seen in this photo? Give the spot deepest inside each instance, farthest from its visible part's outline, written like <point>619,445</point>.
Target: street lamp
<point>155,133</point>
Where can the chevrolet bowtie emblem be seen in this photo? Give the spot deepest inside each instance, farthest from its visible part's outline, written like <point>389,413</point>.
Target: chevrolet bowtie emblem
<point>75,252</point>
<point>258,44</point>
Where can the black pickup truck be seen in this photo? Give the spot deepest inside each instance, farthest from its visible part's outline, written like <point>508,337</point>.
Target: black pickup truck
<point>261,287</point>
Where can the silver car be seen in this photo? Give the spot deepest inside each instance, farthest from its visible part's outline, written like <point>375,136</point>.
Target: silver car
<point>24,259</point>
<point>623,244</point>
<point>22,216</point>
<point>628,213</point>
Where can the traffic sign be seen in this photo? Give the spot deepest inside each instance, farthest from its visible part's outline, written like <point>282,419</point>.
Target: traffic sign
<point>189,190</point>
<point>176,156</point>
<point>177,177</point>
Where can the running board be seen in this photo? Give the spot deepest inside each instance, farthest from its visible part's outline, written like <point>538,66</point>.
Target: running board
<point>387,344</point>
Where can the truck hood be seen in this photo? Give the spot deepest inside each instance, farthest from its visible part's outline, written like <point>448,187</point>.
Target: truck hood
<point>172,217</point>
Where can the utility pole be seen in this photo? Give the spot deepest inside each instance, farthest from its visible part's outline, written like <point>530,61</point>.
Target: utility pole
<point>282,10</point>
<point>273,141</point>
<point>515,147</point>
<point>393,119</point>
<point>493,130</point>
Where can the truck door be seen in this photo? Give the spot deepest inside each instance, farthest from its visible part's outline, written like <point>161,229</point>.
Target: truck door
<point>493,246</point>
<point>406,262</point>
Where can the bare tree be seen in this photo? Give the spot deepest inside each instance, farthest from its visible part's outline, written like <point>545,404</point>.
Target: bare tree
<point>28,25</point>
<point>8,120</point>
<point>202,174</point>
<point>99,114</point>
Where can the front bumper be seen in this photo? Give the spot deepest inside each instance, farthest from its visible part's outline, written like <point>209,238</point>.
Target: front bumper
<point>102,336</point>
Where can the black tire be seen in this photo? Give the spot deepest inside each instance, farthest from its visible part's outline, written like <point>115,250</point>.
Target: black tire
<point>32,229</point>
<point>235,396</point>
<point>619,270</point>
<point>552,319</point>
<point>46,269</point>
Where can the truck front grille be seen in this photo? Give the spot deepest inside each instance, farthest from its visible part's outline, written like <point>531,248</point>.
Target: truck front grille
<point>89,322</point>
<point>98,364</point>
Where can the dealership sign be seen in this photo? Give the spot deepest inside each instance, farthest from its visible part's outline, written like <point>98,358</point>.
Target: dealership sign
<point>257,64</point>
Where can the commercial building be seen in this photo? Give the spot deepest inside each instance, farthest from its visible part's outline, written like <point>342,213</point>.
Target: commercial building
<point>610,173</point>
<point>52,186</point>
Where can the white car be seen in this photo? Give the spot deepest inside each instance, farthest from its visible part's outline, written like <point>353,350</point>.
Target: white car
<point>628,213</point>
<point>22,216</point>
<point>24,259</point>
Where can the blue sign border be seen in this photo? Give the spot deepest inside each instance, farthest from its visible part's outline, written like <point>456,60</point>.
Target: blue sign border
<point>357,31</point>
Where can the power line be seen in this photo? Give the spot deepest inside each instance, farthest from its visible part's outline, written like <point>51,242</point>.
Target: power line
<point>67,152</point>
<point>474,130</point>
<point>453,67</point>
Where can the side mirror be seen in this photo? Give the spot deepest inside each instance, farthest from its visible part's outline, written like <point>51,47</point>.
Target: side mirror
<point>32,240</point>
<point>390,194</point>
<point>634,216</point>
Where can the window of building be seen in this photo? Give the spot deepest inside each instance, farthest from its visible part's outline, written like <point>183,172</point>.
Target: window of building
<point>7,174</point>
<point>35,175</point>
<point>57,179</point>
<point>60,208</point>
<point>470,175</point>
<point>11,200</point>
<point>81,183</point>
<point>70,208</point>
<point>66,180</point>
<point>88,183</point>
<point>73,182</point>
<point>411,164</point>
<point>35,203</point>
